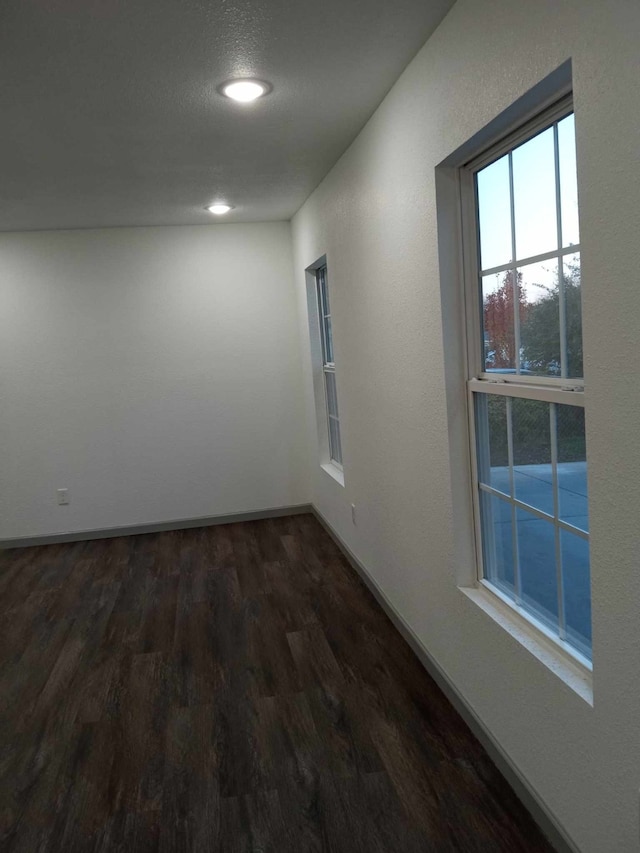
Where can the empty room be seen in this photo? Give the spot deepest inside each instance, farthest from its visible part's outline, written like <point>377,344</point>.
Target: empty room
<point>319,487</point>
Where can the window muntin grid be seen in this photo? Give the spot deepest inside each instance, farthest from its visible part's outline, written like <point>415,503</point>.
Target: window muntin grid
<point>529,257</point>
<point>542,499</point>
<point>328,367</point>
<point>533,544</point>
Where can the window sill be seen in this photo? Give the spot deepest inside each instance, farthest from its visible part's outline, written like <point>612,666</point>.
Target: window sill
<point>568,669</point>
<point>333,471</point>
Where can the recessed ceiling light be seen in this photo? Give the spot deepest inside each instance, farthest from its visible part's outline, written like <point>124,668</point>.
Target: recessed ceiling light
<point>219,209</point>
<point>245,91</point>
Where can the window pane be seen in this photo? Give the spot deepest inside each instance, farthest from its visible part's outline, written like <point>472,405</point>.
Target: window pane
<point>332,396</point>
<point>498,300</point>
<point>494,211</point>
<point>537,561</point>
<point>532,325</point>
<point>324,291</point>
<point>577,590</point>
<point>497,542</point>
<point>532,473</point>
<point>568,181</point>
<point>534,187</point>
<point>334,441</point>
<point>572,466</point>
<point>540,326</point>
<point>573,313</point>
<point>491,429</point>
<point>328,340</point>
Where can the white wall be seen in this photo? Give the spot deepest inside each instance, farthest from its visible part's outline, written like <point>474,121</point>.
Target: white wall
<point>154,372</point>
<point>375,217</point>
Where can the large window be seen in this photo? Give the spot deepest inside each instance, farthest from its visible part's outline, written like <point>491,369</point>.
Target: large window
<point>526,376</point>
<point>328,367</point>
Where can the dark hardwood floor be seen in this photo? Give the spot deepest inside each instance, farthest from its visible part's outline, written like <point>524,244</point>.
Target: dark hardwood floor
<point>231,688</point>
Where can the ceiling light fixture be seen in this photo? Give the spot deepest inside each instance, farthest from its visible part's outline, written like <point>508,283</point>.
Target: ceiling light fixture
<point>219,209</point>
<point>245,91</point>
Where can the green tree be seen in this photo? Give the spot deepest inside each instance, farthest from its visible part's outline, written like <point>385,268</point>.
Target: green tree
<point>540,329</point>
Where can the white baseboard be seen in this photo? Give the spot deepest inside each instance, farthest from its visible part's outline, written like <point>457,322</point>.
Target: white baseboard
<point>154,527</point>
<point>528,796</point>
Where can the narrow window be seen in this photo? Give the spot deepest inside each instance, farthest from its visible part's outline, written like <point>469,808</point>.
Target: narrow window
<point>328,367</point>
<point>526,382</point>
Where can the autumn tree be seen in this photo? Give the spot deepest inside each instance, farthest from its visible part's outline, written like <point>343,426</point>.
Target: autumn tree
<point>499,316</point>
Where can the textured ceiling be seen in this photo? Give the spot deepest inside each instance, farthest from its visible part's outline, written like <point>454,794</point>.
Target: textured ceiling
<point>110,114</point>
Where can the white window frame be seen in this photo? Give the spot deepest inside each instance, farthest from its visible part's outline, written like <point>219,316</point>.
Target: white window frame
<point>550,389</point>
<point>328,365</point>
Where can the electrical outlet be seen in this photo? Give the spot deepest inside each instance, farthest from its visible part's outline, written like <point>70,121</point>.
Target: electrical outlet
<point>63,497</point>
<point>353,513</point>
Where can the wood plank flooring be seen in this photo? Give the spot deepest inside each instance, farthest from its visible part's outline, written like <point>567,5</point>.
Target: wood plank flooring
<point>231,688</point>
